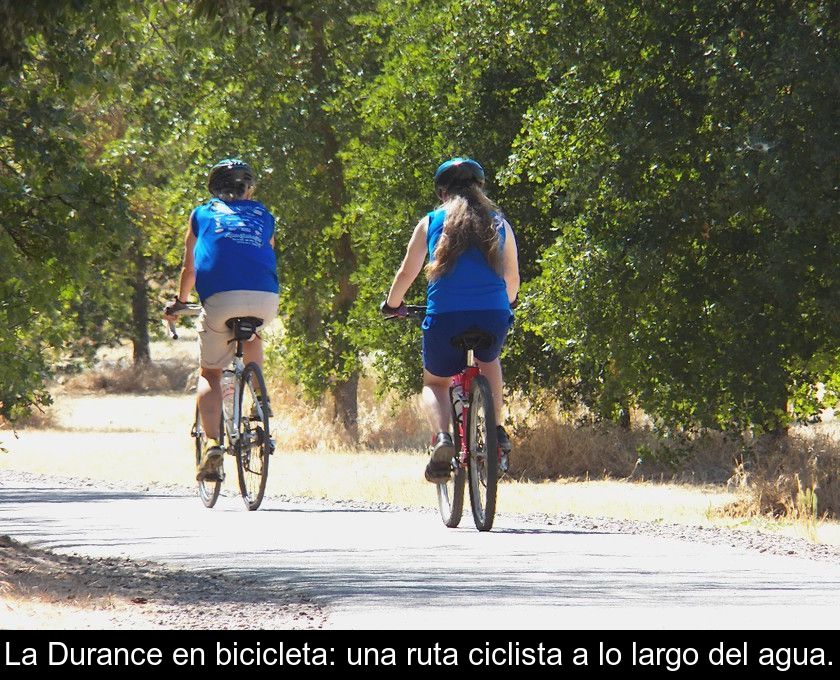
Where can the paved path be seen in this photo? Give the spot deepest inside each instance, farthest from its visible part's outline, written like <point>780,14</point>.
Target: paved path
<point>403,569</point>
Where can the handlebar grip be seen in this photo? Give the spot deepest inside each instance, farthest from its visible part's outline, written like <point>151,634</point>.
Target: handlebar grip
<point>173,333</point>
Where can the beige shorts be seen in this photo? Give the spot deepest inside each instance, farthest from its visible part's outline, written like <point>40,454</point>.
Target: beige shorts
<point>214,350</point>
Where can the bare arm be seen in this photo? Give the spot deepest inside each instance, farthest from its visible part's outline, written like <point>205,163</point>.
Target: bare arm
<point>187,280</point>
<point>510,260</point>
<point>188,267</point>
<point>415,256</point>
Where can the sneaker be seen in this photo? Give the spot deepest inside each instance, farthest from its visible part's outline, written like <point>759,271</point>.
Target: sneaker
<point>266,406</point>
<point>440,460</point>
<point>210,469</point>
<point>504,445</point>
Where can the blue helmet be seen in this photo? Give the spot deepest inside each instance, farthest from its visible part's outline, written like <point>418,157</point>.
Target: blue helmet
<point>229,174</point>
<point>458,171</point>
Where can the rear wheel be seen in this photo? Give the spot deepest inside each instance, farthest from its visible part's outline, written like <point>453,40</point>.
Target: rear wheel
<point>254,446</point>
<point>484,457</point>
<point>451,494</point>
<point>208,491</point>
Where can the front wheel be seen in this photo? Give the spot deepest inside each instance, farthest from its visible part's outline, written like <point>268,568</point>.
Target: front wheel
<point>254,445</point>
<point>208,491</point>
<point>484,455</point>
<point>451,493</point>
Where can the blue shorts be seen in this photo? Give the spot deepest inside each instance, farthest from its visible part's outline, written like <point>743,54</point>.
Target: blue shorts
<point>442,358</point>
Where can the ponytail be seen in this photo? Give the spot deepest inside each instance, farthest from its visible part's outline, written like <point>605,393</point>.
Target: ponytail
<point>468,222</point>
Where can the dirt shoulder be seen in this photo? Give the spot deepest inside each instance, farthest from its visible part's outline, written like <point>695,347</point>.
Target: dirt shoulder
<point>42,589</point>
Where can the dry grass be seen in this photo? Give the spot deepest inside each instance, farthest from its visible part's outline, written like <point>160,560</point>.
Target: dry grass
<point>385,423</point>
<point>796,476</point>
<point>160,376</point>
<point>550,444</point>
<point>110,381</point>
<point>173,368</point>
<point>143,439</point>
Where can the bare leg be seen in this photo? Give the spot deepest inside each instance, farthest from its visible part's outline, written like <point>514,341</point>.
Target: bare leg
<point>493,372</point>
<point>253,351</point>
<point>436,401</point>
<point>209,397</point>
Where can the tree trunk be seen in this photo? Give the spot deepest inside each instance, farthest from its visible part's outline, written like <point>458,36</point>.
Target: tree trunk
<point>344,392</point>
<point>345,399</point>
<point>140,309</point>
<point>624,415</point>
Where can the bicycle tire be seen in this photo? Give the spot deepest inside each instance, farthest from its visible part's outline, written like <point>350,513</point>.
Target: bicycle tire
<point>207,491</point>
<point>451,494</point>
<point>253,447</point>
<point>484,459</point>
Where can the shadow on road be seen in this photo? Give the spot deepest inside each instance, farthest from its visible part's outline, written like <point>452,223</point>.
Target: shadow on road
<point>18,496</point>
<point>359,560</point>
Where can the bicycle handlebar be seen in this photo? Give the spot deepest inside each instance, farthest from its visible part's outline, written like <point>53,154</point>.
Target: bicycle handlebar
<point>188,310</point>
<point>410,312</point>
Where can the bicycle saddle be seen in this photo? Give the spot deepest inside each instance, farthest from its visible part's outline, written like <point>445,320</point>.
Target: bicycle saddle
<point>473,339</point>
<point>244,326</point>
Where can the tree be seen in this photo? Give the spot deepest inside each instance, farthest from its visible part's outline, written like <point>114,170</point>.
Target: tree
<point>689,161</point>
<point>288,121</point>
<point>456,79</point>
<point>53,202</point>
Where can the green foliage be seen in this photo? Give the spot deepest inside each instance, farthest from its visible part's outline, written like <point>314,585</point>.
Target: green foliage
<point>53,202</point>
<point>689,165</point>
<point>670,170</point>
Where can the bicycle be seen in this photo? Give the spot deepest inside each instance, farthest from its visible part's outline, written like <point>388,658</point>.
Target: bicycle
<point>474,434</point>
<point>248,436</point>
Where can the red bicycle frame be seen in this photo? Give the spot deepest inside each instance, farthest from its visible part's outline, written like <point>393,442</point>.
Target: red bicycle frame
<point>463,382</point>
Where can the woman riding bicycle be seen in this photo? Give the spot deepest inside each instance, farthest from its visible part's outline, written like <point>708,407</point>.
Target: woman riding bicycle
<point>473,275</point>
<point>229,258</point>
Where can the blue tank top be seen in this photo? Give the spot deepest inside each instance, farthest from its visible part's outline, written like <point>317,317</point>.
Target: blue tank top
<point>233,250</point>
<point>472,283</point>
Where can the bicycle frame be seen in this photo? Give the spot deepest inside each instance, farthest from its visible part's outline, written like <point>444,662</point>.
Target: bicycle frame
<point>231,420</point>
<point>463,383</point>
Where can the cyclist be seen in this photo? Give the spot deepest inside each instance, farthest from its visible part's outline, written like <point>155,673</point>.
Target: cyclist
<point>473,277</point>
<point>229,258</point>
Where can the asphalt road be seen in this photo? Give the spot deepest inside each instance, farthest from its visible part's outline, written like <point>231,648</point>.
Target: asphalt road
<point>403,569</point>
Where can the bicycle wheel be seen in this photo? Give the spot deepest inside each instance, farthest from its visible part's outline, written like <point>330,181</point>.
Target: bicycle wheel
<point>484,456</point>
<point>451,494</point>
<point>254,446</point>
<point>208,491</point>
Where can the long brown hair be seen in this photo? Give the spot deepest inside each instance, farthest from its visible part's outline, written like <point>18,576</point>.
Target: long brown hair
<point>469,221</point>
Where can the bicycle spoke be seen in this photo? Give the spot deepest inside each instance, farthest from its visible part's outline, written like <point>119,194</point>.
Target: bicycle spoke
<point>254,445</point>
<point>451,494</point>
<point>483,468</point>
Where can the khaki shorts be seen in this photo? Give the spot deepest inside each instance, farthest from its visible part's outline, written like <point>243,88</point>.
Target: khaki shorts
<point>213,347</point>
